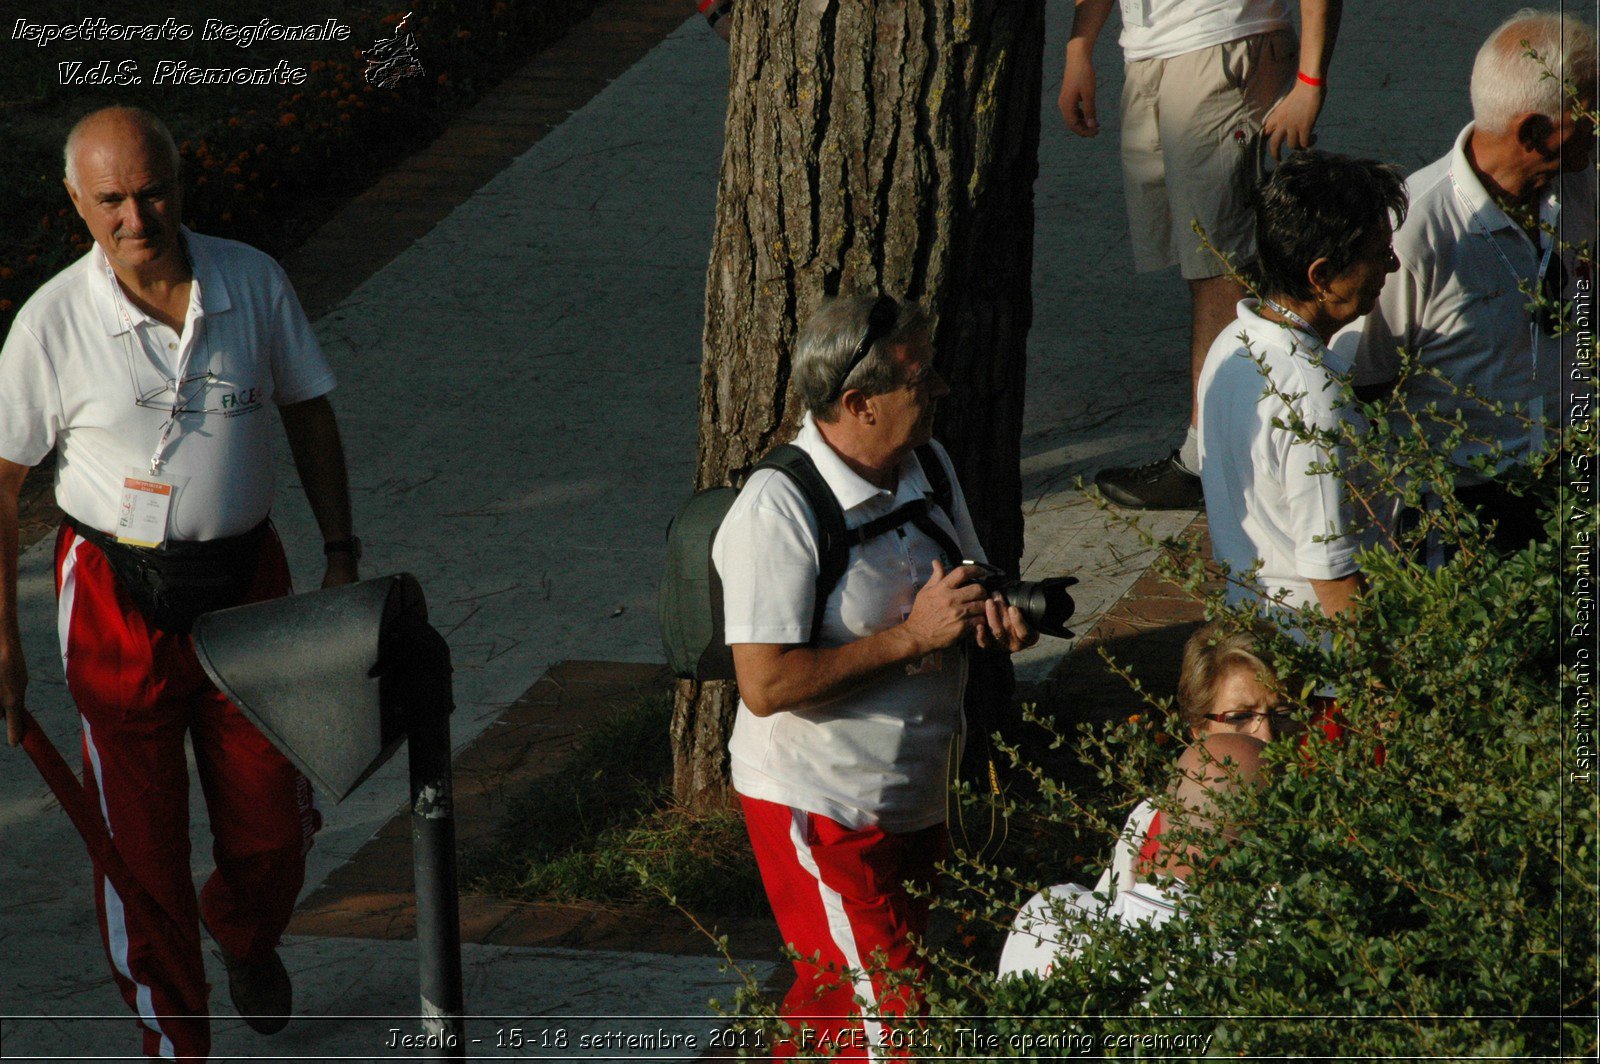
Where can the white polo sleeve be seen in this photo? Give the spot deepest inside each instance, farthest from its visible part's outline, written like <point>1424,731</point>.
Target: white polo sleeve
<point>1318,517</point>
<point>766,554</point>
<point>30,399</point>
<point>300,371</point>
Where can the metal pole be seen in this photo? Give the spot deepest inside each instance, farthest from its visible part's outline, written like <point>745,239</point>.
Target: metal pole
<point>433,845</point>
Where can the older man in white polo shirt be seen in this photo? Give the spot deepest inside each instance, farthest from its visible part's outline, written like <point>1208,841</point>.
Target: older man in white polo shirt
<point>150,365</point>
<point>1506,211</point>
<point>842,747</point>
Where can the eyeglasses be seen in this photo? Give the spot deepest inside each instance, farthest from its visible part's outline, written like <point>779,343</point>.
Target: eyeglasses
<point>1243,718</point>
<point>230,398</point>
<point>880,320</point>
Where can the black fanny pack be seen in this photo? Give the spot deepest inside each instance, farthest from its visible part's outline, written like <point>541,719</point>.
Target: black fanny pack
<point>173,585</point>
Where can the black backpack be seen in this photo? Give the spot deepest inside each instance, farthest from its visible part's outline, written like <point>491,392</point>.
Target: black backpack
<point>689,606</point>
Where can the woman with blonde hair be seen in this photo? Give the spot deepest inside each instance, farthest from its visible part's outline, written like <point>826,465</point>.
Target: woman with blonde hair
<point>1225,687</point>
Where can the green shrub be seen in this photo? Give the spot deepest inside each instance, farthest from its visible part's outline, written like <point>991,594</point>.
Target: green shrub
<point>1439,903</point>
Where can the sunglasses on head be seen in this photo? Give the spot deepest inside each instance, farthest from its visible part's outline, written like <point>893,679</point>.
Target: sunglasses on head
<point>880,321</point>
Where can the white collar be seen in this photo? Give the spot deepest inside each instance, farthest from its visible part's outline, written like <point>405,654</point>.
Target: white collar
<point>209,294</point>
<point>850,487</point>
<point>1482,210</point>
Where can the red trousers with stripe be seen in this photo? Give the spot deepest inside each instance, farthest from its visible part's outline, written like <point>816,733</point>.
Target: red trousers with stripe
<point>139,691</point>
<point>840,899</point>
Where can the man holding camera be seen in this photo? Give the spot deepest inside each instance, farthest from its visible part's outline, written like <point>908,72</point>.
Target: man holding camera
<point>150,365</point>
<point>843,745</point>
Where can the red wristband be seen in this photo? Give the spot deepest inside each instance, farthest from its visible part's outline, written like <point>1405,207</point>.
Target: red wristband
<point>1315,83</point>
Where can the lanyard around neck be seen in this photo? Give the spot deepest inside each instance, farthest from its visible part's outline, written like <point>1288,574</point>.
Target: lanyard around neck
<point>1542,251</point>
<point>176,384</point>
<point>1290,316</point>
<point>1517,279</point>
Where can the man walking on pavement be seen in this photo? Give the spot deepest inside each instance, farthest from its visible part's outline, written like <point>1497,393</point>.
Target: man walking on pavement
<point>149,365</point>
<point>1204,97</point>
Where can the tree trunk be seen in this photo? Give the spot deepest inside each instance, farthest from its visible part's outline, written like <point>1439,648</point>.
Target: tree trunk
<point>871,145</point>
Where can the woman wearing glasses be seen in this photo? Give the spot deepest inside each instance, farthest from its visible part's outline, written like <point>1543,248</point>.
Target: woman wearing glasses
<point>1226,688</point>
<point>1229,699</point>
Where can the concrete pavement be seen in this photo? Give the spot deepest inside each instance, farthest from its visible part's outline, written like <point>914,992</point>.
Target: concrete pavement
<point>517,391</point>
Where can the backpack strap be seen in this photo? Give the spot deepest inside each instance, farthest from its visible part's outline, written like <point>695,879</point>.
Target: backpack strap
<point>943,497</point>
<point>834,540</point>
<point>938,478</point>
<point>833,548</point>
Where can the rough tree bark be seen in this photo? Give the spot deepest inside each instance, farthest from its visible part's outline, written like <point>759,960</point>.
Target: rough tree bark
<point>871,145</point>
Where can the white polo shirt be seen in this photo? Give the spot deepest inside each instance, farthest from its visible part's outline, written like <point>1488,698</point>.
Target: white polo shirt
<point>1262,501</point>
<point>1161,29</point>
<point>72,372</point>
<point>1456,301</point>
<point>878,755</point>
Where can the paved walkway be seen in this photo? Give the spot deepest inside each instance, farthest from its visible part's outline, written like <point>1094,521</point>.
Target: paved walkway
<point>517,398</point>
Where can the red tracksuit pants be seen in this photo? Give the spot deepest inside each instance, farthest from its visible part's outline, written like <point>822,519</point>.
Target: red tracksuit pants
<point>839,896</point>
<point>139,690</point>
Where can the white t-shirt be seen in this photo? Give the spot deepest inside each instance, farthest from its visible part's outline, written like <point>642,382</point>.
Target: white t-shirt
<point>1161,29</point>
<point>1262,503</point>
<point>879,754</point>
<point>1052,922</point>
<point>1456,301</point>
<point>72,373</point>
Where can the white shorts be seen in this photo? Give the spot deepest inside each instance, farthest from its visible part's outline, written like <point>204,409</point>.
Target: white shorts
<point>1191,131</point>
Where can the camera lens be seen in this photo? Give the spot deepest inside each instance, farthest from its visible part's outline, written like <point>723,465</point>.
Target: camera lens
<point>1046,604</point>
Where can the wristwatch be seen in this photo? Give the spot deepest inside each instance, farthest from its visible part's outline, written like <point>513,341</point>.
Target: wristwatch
<point>351,546</point>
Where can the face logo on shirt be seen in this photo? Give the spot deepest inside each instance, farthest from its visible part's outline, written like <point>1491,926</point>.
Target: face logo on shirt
<point>243,401</point>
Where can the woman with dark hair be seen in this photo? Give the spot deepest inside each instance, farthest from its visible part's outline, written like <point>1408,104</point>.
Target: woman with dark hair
<point>1276,504</point>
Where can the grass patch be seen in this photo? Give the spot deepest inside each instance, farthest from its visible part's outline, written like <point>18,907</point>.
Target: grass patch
<point>604,828</point>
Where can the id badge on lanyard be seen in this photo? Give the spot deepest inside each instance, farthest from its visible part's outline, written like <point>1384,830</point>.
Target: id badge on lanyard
<point>142,515</point>
<point>145,509</point>
<point>1136,12</point>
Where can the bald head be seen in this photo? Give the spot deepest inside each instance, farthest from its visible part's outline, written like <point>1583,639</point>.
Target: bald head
<point>122,176</point>
<point>1512,74</point>
<point>113,126</point>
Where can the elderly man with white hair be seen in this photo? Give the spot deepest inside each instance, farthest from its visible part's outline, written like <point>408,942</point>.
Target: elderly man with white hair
<point>150,365</point>
<point>1504,213</point>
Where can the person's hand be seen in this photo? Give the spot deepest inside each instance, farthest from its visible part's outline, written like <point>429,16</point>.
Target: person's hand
<point>1291,120</point>
<point>13,687</point>
<point>946,609</point>
<point>1077,95</point>
<point>1003,626</point>
<point>341,570</point>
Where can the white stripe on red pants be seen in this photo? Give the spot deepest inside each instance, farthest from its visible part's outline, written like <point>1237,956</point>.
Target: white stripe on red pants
<point>839,895</point>
<point>139,690</point>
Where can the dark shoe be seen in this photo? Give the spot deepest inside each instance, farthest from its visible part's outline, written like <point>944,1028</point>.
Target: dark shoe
<point>1160,485</point>
<point>261,992</point>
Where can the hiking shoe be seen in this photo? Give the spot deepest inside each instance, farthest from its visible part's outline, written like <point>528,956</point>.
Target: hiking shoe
<point>1159,485</point>
<point>262,995</point>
